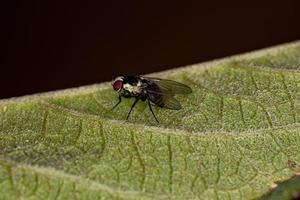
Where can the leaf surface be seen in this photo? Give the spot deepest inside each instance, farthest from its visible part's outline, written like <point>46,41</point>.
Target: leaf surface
<point>237,134</point>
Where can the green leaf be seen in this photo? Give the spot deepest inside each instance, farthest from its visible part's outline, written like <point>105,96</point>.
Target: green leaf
<point>237,134</point>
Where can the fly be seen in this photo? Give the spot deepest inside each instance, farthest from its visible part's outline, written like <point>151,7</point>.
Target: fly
<point>156,91</point>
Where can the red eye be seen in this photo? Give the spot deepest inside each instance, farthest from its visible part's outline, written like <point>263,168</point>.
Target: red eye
<point>117,85</point>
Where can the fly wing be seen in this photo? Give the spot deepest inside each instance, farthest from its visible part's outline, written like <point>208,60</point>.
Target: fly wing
<point>163,100</point>
<point>169,86</point>
<point>171,103</point>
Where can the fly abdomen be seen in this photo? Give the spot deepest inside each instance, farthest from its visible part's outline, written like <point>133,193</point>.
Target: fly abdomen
<point>155,96</point>
<point>156,99</point>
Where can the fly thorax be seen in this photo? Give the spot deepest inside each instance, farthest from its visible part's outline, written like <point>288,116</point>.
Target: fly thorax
<point>135,89</point>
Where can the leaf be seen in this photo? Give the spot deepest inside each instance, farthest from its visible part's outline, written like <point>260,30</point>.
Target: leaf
<point>237,135</point>
<point>286,190</point>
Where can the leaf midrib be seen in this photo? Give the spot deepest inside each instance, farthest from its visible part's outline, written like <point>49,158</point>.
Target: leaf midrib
<point>93,185</point>
<point>164,130</point>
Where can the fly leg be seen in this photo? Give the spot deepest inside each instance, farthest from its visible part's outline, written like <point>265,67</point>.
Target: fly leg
<point>134,103</point>
<point>150,107</point>
<point>120,100</point>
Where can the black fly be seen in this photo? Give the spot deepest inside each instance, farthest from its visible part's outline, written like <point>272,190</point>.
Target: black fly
<point>156,91</point>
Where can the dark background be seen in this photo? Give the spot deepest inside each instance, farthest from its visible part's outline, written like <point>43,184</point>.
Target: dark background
<point>49,45</point>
